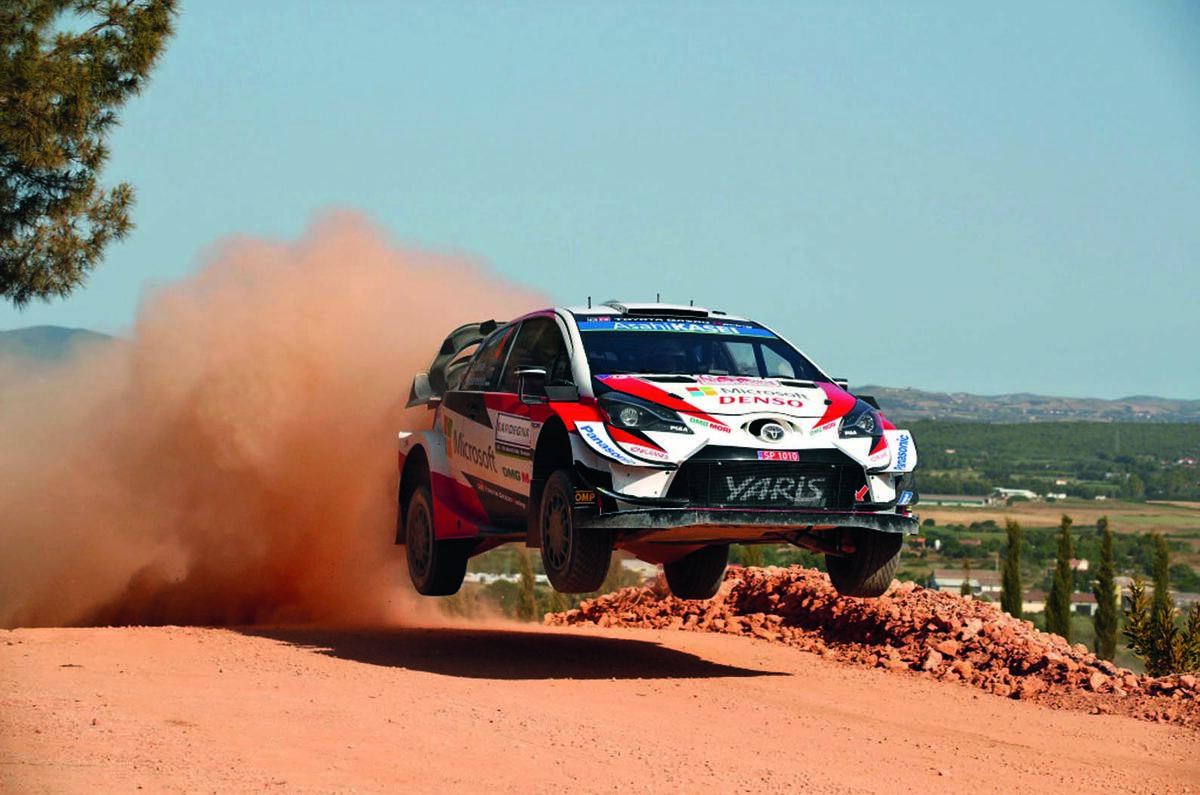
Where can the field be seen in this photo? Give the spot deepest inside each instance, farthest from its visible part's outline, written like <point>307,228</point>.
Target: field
<point>1180,521</point>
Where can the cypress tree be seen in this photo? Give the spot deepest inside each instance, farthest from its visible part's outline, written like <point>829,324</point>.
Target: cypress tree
<point>1105,620</point>
<point>1162,608</point>
<point>1011,596</point>
<point>66,67</point>
<point>1058,602</point>
<point>965,588</point>
<point>527,601</point>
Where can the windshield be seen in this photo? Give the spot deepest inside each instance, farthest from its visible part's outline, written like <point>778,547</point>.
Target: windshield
<point>695,349</point>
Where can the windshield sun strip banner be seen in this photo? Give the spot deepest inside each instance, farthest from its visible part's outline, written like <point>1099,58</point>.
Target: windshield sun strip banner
<point>675,326</point>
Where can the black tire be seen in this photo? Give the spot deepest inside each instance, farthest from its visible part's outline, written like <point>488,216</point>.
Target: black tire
<point>575,562</point>
<point>870,569</point>
<point>436,567</point>
<point>699,574</point>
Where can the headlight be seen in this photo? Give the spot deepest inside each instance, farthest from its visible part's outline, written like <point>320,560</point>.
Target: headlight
<point>862,420</point>
<point>630,413</point>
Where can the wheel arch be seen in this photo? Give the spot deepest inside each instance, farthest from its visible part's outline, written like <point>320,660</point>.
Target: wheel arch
<point>553,452</point>
<point>412,476</point>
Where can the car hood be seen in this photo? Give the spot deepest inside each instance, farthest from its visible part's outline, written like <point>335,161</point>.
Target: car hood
<point>732,395</point>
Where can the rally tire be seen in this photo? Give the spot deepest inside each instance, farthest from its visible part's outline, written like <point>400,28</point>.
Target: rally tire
<point>870,569</point>
<point>576,561</point>
<point>699,574</point>
<point>436,568</point>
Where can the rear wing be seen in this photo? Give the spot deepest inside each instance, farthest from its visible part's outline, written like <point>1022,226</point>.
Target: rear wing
<point>430,385</point>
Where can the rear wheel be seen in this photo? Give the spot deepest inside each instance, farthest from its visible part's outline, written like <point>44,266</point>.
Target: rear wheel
<point>575,561</point>
<point>436,567</point>
<point>870,569</point>
<point>698,575</point>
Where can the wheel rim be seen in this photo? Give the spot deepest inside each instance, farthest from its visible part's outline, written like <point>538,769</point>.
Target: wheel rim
<point>556,531</point>
<point>420,540</point>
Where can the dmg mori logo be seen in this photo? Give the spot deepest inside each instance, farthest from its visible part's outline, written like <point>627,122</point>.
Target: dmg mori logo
<point>771,432</point>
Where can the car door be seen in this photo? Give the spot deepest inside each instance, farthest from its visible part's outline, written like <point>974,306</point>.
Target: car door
<point>516,422</point>
<point>467,428</point>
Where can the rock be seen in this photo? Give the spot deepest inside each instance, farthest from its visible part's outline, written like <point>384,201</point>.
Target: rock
<point>932,660</point>
<point>1097,681</point>
<point>949,648</point>
<point>1187,682</point>
<point>1029,687</point>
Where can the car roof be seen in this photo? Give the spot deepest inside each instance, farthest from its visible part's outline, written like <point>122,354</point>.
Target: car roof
<point>656,310</point>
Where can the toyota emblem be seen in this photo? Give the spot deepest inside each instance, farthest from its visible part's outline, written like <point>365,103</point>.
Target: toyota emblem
<point>771,432</point>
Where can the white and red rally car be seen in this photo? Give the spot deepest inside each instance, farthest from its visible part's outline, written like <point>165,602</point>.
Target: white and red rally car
<point>667,431</point>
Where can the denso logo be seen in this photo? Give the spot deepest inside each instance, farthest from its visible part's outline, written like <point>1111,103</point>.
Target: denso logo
<point>758,400</point>
<point>902,451</point>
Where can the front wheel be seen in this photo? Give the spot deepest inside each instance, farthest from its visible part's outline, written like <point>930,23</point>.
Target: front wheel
<point>699,574</point>
<point>869,570</point>
<point>437,568</point>
<point>575,561</point>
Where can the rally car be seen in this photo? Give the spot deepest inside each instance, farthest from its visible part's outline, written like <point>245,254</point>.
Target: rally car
<point>667,431</point>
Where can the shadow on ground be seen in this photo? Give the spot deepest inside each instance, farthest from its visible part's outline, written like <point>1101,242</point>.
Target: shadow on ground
<point>506,653</point>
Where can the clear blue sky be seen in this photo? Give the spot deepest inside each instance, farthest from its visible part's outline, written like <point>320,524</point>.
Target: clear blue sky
<point>981,197</point>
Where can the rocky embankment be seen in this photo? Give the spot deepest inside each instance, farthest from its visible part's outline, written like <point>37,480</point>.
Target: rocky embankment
<point>910,631</point>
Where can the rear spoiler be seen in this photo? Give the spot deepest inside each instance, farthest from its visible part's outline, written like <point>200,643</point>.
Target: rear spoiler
<point>429,385</point>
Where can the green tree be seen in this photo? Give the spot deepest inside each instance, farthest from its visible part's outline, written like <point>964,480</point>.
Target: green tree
<point>1151,629</point>
<point>752,556</point>
<point>1105,620</point>
<point>965,588</point>
<point>1011,596</point>
<point>1058,602</point>
<point>59,93</point>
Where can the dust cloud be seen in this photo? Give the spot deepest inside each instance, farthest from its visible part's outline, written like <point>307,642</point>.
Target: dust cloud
<point>234,461</point>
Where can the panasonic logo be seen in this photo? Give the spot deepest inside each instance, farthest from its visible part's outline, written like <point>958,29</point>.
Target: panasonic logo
<point>902,451</point>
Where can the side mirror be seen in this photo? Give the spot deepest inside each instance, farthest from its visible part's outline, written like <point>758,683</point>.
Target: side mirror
<point>531,384</point>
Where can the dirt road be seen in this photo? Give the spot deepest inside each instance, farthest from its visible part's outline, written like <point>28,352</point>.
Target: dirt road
<point>514,708</point>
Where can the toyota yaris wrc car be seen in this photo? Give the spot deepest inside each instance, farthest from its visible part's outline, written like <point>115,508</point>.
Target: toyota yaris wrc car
<point>667,431</point>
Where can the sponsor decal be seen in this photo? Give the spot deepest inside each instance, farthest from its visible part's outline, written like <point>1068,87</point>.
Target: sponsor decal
<point>701,391</point>
<point>737,390</point>
<point>483,487</point>
<point>902,443</point>
<point>796,491</point>
<point>678,326</point>
<point>735,380</point>
<point>483,457</point>
<point>778,455</point>
<point>709,424</point>
<point>585,497</point>
<point>514,436</point>
<point>825,426</point>
<point>905,498</point>
<point>514,474</point>
<point>592,436</point>
<point>760,400</point>
<point>645,452</point>
<point>861,494</point>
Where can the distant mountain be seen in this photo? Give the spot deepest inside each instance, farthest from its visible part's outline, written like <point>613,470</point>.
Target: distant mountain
<point>53,343</point>
<point>907,405</point>
<point>46,343</point>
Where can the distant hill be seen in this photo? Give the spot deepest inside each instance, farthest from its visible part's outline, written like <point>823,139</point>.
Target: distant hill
<point>46,343</point>
<point>52,343</point>
<point>910,405</point>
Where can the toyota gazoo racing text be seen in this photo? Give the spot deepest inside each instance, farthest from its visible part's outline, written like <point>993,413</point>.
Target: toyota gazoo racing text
<point>667,431</point>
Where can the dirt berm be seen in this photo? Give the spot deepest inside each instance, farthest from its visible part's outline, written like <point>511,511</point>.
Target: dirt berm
<point>910,630</point>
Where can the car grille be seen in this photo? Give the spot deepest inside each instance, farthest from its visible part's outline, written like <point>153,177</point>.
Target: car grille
<point>768,484</point>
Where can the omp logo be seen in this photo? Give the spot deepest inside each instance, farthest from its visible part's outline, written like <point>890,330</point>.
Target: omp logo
<point>902,451</point>
<point>797,491</point>
<point>479,456</point>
